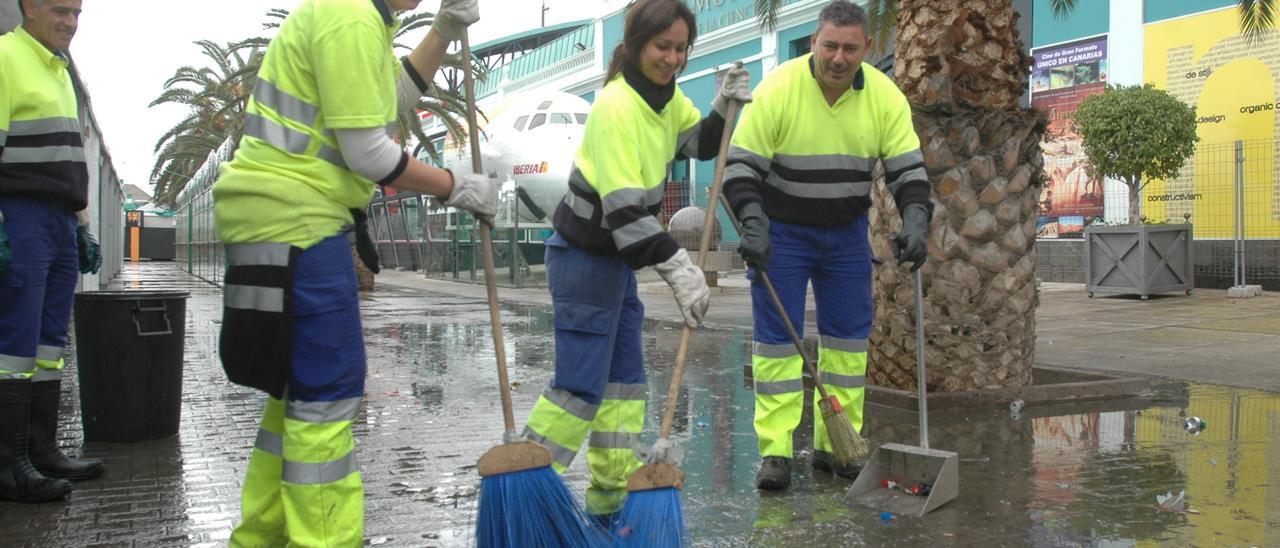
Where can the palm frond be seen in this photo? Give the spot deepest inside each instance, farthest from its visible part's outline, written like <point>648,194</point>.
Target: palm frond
<point>1257,17</point>
<point>767,13</point>
<point>1062,8</point>
<point>882,22</point>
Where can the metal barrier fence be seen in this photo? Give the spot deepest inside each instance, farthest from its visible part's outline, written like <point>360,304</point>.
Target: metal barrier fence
<point>198,250</point>
<point>1231,193</point>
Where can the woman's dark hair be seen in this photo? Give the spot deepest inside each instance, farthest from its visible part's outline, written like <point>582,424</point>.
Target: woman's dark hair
<point>646,19</point>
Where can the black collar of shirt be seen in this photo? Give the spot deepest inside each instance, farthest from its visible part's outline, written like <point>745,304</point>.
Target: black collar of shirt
<point>655,95</point>
<point>384,11</point>
<point>858,80</point>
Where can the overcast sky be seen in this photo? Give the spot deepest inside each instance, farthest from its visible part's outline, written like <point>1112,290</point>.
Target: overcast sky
<point>125,50</point>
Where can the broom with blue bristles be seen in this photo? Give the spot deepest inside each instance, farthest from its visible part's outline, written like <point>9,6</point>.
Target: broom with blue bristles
<point>523,501</point>
<point>652,515</point>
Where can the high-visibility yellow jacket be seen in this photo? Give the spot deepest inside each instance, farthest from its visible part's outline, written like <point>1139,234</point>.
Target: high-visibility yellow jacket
<point>811,163</point>
<point>41,151</point>
<point>330,67</point>
<point>620,171</point>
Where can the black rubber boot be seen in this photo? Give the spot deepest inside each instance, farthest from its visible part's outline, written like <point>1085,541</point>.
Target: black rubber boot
<point>774,474</point>
<point>19,480</point>
<point>826,462</point>
<point>45,455</point>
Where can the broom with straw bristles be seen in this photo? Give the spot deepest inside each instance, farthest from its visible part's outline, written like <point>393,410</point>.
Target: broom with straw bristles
<point>523,501</point>
<point>652,515</point>
<point>847,447</point>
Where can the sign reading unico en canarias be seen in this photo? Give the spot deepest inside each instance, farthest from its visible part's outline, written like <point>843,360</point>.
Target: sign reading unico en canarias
<point>525,169</point>
<point>1234,86</point>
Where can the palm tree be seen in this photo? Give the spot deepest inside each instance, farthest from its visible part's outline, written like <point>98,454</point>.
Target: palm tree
<point>217,96</point>
<point>963,69</point>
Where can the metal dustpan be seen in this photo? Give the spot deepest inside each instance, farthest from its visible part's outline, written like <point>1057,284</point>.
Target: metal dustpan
<point>903,479</point>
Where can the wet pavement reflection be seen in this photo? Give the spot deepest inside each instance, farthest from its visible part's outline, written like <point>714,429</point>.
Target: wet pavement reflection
<point>1084,474</point>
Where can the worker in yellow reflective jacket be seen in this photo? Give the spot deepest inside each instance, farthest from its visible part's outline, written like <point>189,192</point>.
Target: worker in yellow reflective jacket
<point>316,140</point>
<point>44,245</point>
<point>799,178</point>
<point>606,229</point>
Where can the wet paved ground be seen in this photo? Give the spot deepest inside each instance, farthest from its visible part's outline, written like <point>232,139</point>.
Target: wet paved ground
<point>1081,475</point>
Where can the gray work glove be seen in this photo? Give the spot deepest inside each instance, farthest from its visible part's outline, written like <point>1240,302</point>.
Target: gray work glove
<point>754,244</point>
<point>454,16</point>
<point>909,245</point>
<point>475,193</point>
<point>689,284</point>
<point>736,86</point>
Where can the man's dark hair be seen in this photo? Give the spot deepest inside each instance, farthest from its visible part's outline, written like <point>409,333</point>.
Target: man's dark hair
<point>842,14</point>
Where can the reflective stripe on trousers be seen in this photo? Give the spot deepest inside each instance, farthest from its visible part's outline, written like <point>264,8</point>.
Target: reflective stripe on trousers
<point>303,485</point>
<point>599,384</point>
<point>838,262</point>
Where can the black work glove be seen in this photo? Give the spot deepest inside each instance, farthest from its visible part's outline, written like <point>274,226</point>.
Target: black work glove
<point>754,245</point>
<point>90,251</point>
<point>364,244</point>
<point>909,244</point>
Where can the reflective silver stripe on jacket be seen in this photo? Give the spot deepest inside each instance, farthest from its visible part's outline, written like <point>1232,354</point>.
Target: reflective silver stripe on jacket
<point>687,141</point>
<point>48,353</point>
<point>42,126</point>
<point>17,364</point>
<point>25,155</point>
<point>275,134</point>
<point>902,162</point>
<point>269,442</point>
<point>285,104</point>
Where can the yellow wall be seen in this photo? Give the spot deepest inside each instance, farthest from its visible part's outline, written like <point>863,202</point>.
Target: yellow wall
<point>1203,60</point>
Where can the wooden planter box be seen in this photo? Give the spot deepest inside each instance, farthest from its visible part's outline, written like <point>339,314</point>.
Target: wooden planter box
<point>1140,260</point>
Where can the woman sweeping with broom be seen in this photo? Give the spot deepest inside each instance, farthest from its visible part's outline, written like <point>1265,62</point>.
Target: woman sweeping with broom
<point>606,229</point>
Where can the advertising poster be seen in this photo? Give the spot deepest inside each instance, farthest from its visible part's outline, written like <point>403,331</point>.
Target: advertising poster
<point>1064,75</point>
<point>1234,86</point>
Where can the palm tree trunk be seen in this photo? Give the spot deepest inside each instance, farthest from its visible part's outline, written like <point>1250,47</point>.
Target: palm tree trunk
<point>962,67</point>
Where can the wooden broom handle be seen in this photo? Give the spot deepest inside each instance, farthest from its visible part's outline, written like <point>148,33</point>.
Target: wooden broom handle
<point>486,241</point>
<point>708,221</point>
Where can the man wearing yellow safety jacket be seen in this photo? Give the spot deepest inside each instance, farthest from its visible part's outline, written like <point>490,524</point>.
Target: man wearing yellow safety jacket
<point>316,141</point>
<point>44,182</point>
<point>799,178</point>
<point>605,230</point>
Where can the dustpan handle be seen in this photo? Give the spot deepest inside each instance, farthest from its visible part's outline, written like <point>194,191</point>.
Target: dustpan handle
<point>920,379</point>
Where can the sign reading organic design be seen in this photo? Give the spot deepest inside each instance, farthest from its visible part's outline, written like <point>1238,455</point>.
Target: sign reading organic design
<point>1063,75</point>
<point>713,15</point>
<point>1203,60</point>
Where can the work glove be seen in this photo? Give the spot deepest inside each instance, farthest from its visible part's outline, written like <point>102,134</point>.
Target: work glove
<point>90,252</point>
<point>475,193</point>
<point>365,249</point>
<point>736,86</point>
<point>689,284</point>
<point>754,244</point>
<point>6,252</point>
<point>454,16</point>
<point>909,243</point>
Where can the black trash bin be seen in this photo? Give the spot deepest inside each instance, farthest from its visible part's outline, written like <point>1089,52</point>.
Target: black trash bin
<point>129,348</point>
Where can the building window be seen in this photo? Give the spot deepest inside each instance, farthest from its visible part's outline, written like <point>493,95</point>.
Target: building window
<point>800,46</point>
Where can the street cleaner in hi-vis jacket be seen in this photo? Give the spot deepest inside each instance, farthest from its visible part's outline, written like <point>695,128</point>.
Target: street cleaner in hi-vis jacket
<point>606,229</point>
<point>799,178</point>
<point>316,141</point>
